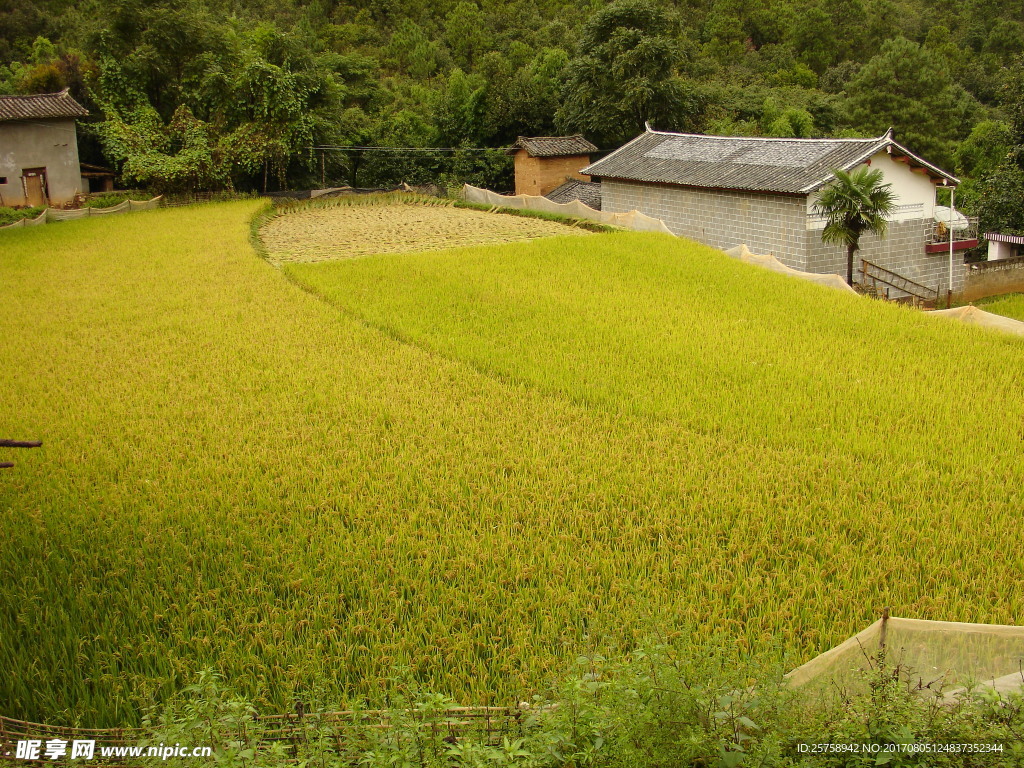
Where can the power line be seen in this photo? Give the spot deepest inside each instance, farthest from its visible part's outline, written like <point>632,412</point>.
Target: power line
<point>407,149</point>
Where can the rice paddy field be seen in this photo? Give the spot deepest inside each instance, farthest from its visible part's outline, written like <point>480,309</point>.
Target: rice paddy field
<point>350,227</point>
<point>1008,306</point>
<point>472,464</point>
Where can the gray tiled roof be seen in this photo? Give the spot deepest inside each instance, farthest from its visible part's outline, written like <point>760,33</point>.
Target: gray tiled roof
<point>795,166</point>
<point>40,106</point>
<point>587,192</point>
<point>554,146</point>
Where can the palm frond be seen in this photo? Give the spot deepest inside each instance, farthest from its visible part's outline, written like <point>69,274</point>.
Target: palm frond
<point>854,203</point>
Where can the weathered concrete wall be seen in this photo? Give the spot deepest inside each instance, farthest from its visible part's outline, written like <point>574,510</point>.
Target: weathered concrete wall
<point>774,224</point>
<point>540,175</point>
<point>901,251</point>
<point>49,144</point>
<point>994,278</point>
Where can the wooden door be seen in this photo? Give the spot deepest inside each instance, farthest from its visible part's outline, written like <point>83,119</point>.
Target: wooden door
<point>34,180</point>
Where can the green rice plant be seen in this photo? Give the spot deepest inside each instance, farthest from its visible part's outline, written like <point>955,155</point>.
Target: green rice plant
<point>1009,306</point>
<point>472,465</point>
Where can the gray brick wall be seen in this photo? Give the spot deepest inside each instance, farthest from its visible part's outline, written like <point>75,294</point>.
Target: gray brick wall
<point>774,224</point>
<point>901,251</point>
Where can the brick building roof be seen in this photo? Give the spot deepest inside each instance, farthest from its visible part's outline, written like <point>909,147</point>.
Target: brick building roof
<point>553,146</point>
<point>587,192</point>
<point>40,106</point>
<point>795,166</point>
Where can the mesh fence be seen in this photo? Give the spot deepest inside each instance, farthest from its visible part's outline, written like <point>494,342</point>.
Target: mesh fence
<point>632,220</point>
<point>54,214</point>
<point>743,253</point>
<point>942,655</point>
<point>974,316</point>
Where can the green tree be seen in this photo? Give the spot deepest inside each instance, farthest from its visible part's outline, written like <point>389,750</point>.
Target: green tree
<point>853,204</point>
<point>460,110</point>
<point>1001,201</point>
<point>909,88</point>
<point>625,72</point>
<point>984,150</point>
<point>465,30</point>
<point>1001,196</point>
<point>814,36</point>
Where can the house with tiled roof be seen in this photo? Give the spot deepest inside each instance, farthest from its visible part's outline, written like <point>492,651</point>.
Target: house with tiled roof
<point>728,190</point>
<point>543,163</point>
<point>587,192</point>
<point>39,149</point>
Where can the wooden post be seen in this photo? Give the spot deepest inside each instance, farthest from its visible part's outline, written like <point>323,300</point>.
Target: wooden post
<point>323,173</point>
<point>883,635</point>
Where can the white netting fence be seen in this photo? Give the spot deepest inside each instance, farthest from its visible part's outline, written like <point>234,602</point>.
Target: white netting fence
<point>638,221</point>
<point>946,655</point>
<point>632,220</point>
<point>54,214</point>
<point>974,316</point>
<point>743,253</point>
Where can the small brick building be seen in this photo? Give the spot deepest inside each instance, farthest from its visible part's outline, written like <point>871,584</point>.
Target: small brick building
<point>543,163</point>
<point>724,191</point>
<point>39,149</point>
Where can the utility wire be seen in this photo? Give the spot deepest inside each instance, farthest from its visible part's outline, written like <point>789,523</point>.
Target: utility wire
<point>408,149</point>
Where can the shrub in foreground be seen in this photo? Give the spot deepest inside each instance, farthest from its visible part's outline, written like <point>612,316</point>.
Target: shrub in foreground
<point>664,705</point>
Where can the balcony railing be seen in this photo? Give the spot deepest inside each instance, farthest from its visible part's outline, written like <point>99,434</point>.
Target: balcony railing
<point>938,232</point>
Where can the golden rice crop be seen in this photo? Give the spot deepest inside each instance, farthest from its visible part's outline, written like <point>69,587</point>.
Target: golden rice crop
<point>578,443</point>
<point>329,231</point>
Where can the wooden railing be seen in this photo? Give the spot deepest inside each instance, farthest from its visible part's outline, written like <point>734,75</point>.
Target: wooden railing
<point>882,281</point>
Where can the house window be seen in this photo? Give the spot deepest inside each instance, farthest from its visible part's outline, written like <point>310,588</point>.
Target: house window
<point>3,179</point>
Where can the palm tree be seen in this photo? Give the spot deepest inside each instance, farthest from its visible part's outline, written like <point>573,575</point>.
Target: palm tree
<point>853,204</point>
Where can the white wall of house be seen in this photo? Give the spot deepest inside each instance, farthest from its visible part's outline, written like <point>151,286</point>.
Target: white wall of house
<point>998,251</point>
<point>914,190</point>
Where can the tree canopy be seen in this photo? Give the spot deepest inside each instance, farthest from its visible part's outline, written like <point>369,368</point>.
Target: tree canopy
<point>1001,198</point>
<point>220,93</point>
<point>625,73</point>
